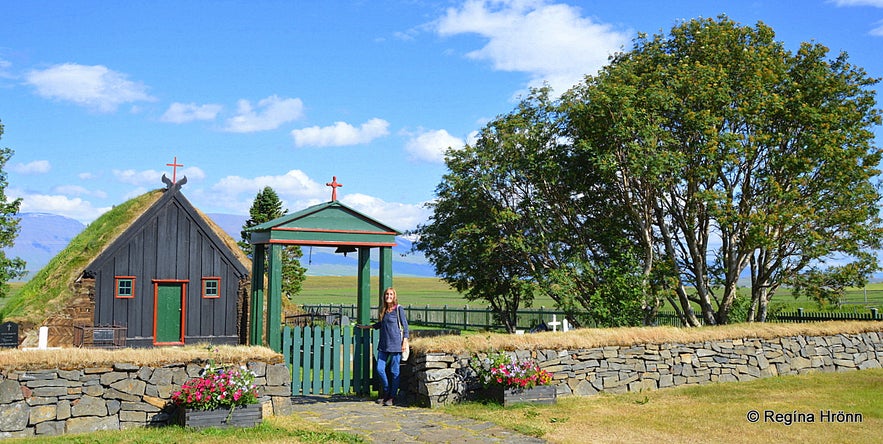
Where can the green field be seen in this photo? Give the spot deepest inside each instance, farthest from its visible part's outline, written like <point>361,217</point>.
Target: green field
<point>435,292</point>
<point>411,290</point>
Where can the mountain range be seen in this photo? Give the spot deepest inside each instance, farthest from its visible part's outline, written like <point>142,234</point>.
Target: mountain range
<point>43,235</point>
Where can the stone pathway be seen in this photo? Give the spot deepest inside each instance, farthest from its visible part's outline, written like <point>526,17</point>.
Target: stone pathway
<point>400,424</point>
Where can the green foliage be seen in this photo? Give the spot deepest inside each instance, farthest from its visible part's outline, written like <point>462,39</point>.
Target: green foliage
<point>716,131</point>
<point>693,157</point>
<point>266,207</point>
<point>517,216</point>
<point>10,268</point>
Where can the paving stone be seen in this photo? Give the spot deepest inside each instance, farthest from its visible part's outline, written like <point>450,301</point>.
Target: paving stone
<point>376,423</point>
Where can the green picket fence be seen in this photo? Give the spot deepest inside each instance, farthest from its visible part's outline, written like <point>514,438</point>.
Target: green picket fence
<point>327,360</point>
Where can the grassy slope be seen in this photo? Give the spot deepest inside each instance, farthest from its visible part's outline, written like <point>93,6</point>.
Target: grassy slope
<point>49,289</point>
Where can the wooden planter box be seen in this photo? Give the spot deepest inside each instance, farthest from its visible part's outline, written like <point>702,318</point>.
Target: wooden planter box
<point>243,416</point>
<point>544,394</point>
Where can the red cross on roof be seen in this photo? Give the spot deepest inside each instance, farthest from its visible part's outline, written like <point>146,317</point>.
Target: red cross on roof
<point>174,166</point>
<point>334,185</point>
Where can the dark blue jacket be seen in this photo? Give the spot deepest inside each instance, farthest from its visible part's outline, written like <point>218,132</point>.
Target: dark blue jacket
<point>390,335</point>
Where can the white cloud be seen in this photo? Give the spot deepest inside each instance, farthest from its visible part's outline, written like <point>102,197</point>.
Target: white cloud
<point>872,3</point>
<point>189,112</point>
<point>398,215</point>
<point>553,43</point>
<point>298,191</point>
<point>153,179</point>
<point>35,167</point>
<point>86,176</point>
<point>236,193</point>
<point>294,182</point>
<point>95,87</point>
<point>878,30</point>
<point>76,190</point>
<point>341,134</point>
<point>431,145</point>
<point>4,69</point>
<point>270,114</point>
<point>74,208</point>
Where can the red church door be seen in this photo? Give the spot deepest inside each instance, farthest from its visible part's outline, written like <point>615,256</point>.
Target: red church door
<point>168,322</point>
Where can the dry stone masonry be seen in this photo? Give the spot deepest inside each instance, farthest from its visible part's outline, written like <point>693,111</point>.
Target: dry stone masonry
<point>56,402</point>
<point>441,378</point>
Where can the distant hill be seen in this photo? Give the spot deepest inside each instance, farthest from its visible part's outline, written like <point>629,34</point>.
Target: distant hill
<point>43,235</point>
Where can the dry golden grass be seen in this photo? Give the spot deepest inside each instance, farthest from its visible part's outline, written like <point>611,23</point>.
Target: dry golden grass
<point>79,358</point>
<point>601,337</point>
<point>705,413</point>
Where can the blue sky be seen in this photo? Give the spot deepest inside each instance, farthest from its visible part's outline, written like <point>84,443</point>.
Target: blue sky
<point>98,96</point>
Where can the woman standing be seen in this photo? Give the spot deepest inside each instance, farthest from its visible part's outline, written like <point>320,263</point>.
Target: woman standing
<point>393,327</point>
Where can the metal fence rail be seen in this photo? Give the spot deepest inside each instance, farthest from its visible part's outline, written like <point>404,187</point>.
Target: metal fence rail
<point>472,318</point>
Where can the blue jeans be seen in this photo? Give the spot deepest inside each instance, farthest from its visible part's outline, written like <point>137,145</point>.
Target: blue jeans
<point>389,383</point>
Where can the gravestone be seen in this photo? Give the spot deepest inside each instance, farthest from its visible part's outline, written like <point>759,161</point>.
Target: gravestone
<point>9,335</point>
<point>102,337</point>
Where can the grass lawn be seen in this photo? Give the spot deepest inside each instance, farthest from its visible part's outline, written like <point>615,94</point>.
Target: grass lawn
<point>288,429</point>
<point>707,413</point>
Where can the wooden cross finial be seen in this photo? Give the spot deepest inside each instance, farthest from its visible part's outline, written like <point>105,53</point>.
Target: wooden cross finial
<point>334,185</point>
<point>174,166</point>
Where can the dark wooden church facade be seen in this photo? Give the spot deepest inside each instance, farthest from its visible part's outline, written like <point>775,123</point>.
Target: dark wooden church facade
<point>170,279</point>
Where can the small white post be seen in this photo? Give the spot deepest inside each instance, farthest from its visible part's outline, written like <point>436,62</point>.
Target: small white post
<point>43,338</point>
<point>555,323</point>
<point>565,326</point>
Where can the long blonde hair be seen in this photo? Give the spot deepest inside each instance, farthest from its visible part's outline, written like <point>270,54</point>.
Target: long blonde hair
<point>384,309</point>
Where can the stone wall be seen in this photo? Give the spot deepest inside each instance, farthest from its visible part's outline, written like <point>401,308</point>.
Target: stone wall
<point>55,402</point>
<point>434,379</point>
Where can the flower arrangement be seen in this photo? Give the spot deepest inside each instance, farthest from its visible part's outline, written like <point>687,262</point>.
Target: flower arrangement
<point>218,386</point>
<point>502,370</point>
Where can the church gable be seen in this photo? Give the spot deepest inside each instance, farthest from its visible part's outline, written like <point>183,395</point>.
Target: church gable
<point>171,279</point>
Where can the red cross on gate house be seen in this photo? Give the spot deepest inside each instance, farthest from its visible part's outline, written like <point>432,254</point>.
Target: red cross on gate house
<point>174,166</point>
<point>334,185</point>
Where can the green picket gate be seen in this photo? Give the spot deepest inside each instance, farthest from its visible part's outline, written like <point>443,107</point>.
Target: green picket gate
<point>328,360</point>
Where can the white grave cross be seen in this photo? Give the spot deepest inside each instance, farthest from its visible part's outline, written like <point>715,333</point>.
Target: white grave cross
<point>555,323</point>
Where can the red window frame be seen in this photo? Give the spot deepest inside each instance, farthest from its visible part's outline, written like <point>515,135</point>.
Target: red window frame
<point>215,279</point>
<point>116,287</point>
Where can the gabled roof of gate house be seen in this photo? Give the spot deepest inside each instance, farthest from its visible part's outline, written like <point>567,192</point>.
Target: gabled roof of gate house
<point>51,290</point>
<point>329,224</point>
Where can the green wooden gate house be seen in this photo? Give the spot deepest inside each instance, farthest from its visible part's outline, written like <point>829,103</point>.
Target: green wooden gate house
<point>330,224</point>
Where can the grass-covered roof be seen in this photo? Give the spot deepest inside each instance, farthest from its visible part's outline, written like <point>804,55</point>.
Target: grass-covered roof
<point>52,288</point>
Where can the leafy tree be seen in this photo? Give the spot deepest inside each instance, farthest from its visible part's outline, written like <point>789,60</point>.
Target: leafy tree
<point>10,268</point>
<point>513,218</point>
<point>731,152</point>
<point>688,160</point>
<point>266,207</point>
